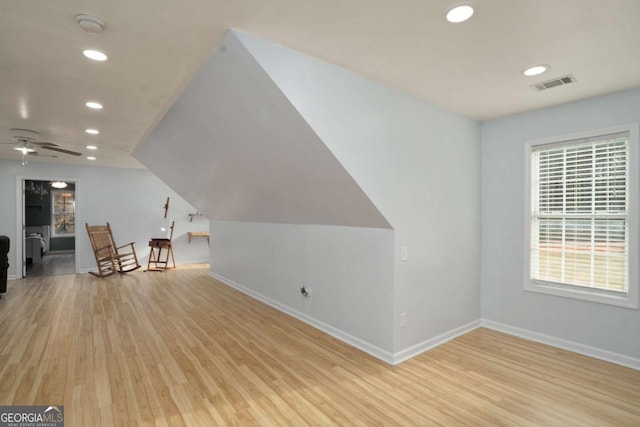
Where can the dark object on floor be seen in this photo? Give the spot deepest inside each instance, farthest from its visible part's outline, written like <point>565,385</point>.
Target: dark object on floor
<point>5,243</point>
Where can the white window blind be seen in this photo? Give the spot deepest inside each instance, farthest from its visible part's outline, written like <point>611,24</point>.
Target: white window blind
<point>579,213</point>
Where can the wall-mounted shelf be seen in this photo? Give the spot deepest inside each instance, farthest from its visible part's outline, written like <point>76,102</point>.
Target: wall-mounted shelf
<point>191,215</point>
<point>199,234</point>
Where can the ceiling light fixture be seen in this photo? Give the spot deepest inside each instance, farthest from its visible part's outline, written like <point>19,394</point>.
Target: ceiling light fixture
<point>460,13</point>
<point>96,55</point>
<point>91,147</point>
<point>59,184</point>
<point>90,158</point>
<point>92,131</point>
<point>94,105</point>
<point>24,149</point>
<point>536,70</point>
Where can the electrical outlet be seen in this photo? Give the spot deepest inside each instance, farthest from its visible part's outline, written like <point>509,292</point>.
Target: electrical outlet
<point>305,292</point>
<point>403,320</point>
<point>404,253</point>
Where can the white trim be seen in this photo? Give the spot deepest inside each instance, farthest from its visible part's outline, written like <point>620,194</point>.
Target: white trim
<point>573,346</point>
<point>426,345</point>
<point>385,356</point>
<point>630,300</point>
<point>193,261</point>
<point>141,261</point>
<point>19,255</point>
<point>365,346</point>
<point>408,353</point>
<point>12,277</point>
<point>19,215</point>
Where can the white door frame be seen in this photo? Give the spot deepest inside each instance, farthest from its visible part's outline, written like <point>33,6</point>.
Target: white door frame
<point>20,260</point>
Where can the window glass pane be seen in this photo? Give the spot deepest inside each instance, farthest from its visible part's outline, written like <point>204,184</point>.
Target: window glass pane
<point>63,218</point>
<point>64,224</point>
<point>579,214</point>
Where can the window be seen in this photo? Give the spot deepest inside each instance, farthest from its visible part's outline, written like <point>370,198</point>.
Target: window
<point>64,213</point>
<point>582,213</point>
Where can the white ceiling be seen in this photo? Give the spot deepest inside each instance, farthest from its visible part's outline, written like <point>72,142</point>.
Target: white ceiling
<point>156,46</point>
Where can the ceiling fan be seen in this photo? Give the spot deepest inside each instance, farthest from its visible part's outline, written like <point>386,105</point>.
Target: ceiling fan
<point>26,141</point>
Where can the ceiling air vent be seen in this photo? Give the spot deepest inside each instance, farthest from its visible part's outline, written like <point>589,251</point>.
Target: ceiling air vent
<point>560,81</point>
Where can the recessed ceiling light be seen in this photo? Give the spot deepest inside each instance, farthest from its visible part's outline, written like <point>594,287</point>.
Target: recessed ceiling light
<point>90,158</point>
<point>92,131</point>
<point>91,147</point>
<point>94,105</point>
<point>535,71</point>
<point>459,13</point>
<point>96,55</point>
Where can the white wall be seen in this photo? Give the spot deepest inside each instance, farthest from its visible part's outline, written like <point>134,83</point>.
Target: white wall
<point>347,269</point>
<point>234,147</point>
<point>268,135</point>
<point>418,163</point>
<point>606,327</point>
<point>131,200</point>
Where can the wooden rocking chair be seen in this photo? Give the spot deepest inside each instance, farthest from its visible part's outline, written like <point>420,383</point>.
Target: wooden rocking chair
<point>109,257</point>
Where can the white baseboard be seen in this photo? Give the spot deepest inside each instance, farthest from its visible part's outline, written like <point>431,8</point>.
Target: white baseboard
<point>365,346</point>
<point>194,261</point>
<point>12,277</point>
<point>426,345</point>
<point>144,264</point>
<point>408,353</point>
<point>586,350</point>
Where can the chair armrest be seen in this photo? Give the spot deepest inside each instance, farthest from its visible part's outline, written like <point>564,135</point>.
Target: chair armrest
<point>128,244</point>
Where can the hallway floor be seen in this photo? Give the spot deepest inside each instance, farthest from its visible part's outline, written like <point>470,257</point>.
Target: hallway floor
<point>53,265</point>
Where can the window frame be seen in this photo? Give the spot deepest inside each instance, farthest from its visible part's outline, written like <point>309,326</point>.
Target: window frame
<point>54,213</point>
<point>630,299</point>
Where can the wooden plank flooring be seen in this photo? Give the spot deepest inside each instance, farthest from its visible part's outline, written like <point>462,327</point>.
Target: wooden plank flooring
<point>178,348</point>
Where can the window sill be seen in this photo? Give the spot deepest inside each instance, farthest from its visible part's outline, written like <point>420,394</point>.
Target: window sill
<point>583,293</point>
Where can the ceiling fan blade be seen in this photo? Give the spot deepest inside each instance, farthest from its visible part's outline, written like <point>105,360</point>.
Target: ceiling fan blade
<point>43,144</point>
<point>60,150</point>
<point>35,153</point>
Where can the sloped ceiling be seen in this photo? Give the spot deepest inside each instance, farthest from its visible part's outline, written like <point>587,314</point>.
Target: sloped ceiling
<point>234,147</point>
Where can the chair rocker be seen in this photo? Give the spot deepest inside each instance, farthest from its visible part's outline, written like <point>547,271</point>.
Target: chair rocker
<point>109,257</point>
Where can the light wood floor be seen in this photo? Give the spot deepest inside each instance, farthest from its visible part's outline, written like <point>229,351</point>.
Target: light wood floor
<point>178,348</point>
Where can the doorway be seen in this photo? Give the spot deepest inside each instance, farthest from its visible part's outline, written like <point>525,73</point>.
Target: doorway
<point>49,224</point>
